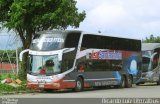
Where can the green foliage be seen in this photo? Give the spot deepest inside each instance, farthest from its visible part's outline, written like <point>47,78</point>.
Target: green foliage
<point>6,75</point>
<point>11,54</point>
<point>4,57</point>
<point>152,39</point>
<point>32,15</point>
<point>29,16</point>
<point>5,87</point>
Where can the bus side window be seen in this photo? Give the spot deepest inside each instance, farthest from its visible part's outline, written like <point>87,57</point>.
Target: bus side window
<point>68,60</point>
<point>72,40</point>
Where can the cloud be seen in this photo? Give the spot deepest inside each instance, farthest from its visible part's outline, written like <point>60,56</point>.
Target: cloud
<point>127,18</point>
<point>106,14</point>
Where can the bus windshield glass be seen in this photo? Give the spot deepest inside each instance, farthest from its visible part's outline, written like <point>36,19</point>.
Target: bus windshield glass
<point>44,65</point>
<point>47,42</point>
<point>145,64</point>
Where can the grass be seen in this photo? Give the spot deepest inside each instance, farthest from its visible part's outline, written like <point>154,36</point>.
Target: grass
<point>7,75</point>
<point>8,89</point>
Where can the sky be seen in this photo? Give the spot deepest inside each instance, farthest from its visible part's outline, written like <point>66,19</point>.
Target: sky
<point>126,18</point>
<point>9,40</point>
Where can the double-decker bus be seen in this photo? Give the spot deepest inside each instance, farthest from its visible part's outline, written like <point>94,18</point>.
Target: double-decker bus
<point>150,63</point>
<point>77,60</point>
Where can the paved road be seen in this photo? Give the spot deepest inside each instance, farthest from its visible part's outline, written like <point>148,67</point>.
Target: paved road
<point>143,91</point>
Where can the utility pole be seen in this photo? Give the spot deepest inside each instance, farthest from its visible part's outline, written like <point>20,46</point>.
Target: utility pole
<point>17,64</point>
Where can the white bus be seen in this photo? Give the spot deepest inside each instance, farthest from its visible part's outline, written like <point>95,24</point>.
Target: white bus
<point>77,59</point>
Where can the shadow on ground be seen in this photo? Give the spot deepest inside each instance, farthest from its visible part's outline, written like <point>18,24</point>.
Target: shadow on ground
<point>84,90</point>
<point>148,84</point>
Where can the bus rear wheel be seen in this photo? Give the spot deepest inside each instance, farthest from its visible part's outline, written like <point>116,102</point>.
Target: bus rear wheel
<point>158,82</point>
<point>79,85</point>
<point>122,83</point>
<point>140,83</point>
<point>129,81</point>
<point>137,84</point>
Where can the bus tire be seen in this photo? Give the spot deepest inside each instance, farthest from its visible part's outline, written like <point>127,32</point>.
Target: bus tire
<point>137,84</point>
<point>48,90</point>
<point>158,82</point>
<point>129,82</point>
<point>123,82</point>
<point>79,84</point>
<point>140,83</point>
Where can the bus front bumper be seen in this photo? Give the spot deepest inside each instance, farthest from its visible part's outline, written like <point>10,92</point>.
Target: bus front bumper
<point>144,79</point>
<point>55,85</point>
<point>45,86</point>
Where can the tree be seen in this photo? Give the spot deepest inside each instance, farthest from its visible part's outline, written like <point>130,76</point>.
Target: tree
<point>29,16</point>
<point>152,39</point>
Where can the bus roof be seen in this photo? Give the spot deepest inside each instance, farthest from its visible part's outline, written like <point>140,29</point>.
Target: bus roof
<point>101,34</point>
<point>84,32</point>
<point>150,46</point>
<point>57,31</point>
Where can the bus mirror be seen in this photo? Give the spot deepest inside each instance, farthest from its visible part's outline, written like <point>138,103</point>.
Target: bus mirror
<point>152,56</point>
<point>21,54</point>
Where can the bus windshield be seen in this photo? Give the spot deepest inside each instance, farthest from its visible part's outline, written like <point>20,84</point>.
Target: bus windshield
<point>145,64</point>
<point>44,65</point>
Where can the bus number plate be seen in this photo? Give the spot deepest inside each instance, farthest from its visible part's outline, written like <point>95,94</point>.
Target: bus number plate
<point>41,86</point>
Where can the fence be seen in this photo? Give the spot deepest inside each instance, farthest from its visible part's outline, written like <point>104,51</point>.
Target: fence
<point>8,68</point>
<point>10,44</point>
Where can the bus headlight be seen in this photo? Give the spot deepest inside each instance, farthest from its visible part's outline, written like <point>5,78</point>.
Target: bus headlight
<point>56,84</point>
<point>144,74</point>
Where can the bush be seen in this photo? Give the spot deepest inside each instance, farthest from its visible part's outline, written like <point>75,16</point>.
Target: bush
<point>9,89</point>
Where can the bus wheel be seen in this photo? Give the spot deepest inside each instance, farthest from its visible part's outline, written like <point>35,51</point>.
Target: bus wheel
<point>123,82</point>
<point>48,90</point>
<point>79,84</point>
<point>129,82</point>
<point>137,84</point>
<point>140,83</point>
<point>158,82</point>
